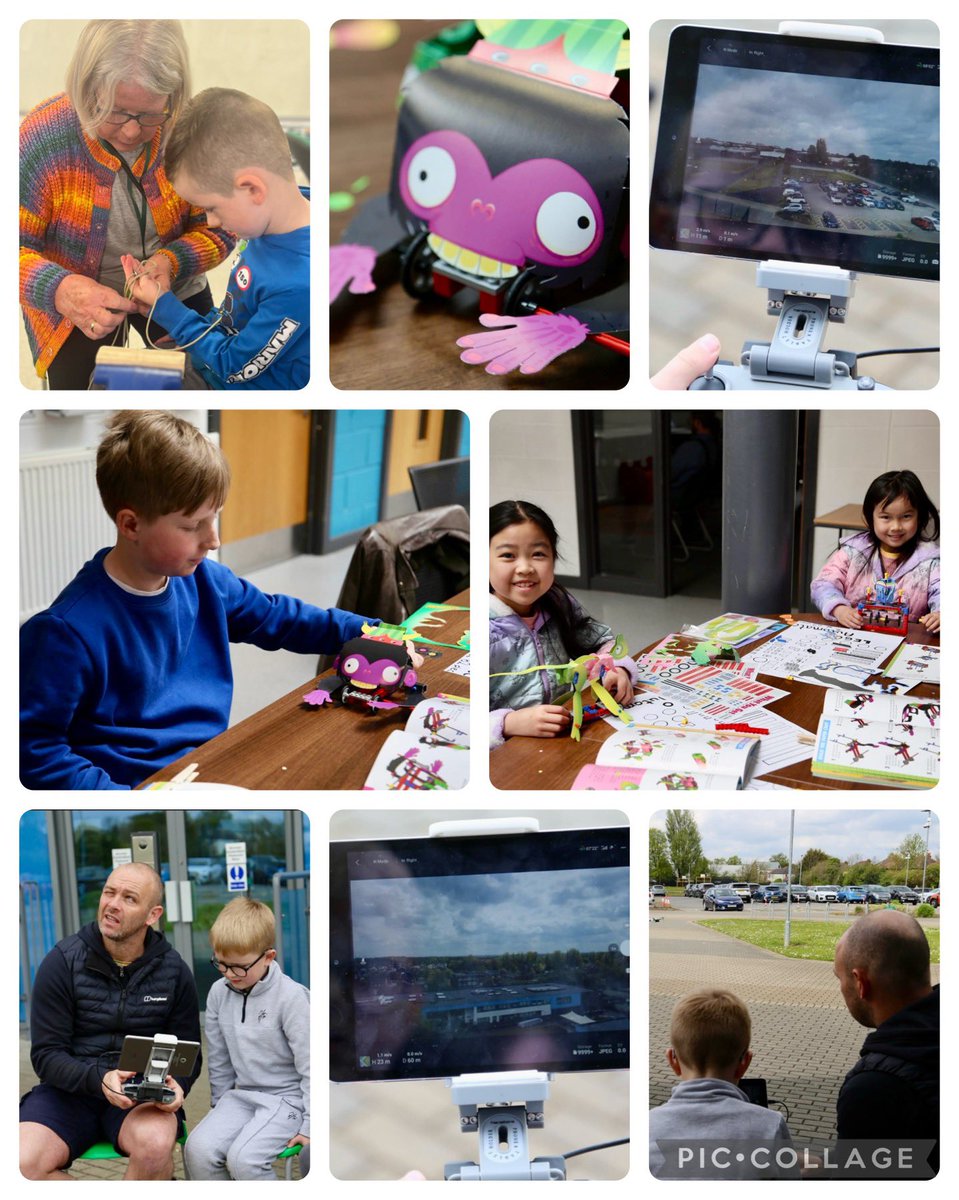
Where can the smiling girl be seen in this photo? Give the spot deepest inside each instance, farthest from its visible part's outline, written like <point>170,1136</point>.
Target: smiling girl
<point>535,621</point>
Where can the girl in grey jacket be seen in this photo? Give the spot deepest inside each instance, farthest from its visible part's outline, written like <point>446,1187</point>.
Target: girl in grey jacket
<point>535,622</point>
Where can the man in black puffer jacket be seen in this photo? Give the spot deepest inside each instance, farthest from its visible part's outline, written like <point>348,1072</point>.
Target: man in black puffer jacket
<point>117,976</point>
<point>892,1093</point>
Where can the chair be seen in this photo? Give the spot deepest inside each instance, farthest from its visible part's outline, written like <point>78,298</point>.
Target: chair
<point>103,1151</point>
<point>444,482</point>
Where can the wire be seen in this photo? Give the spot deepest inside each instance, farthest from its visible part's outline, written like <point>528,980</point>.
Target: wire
<point>598,1146</point>
<point>906,350</point>
<point>128,292</point>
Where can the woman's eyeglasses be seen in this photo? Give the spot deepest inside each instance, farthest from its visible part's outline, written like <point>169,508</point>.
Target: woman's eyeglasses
<point>237,970</point>
<point>146,120</point>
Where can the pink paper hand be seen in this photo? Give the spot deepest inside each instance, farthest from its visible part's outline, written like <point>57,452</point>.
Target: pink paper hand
<point>382,704</point>
<point>356,263</point>
<point>317,697</point>
<point>525,342</point>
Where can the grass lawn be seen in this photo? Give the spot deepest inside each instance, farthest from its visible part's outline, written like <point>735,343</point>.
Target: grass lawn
<point>807,939</point>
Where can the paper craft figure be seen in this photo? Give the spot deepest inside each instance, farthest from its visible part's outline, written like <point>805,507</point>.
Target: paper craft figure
<point>510,176</point>
<point>368,672</point>
<point>580,673</point>
<point>440,730</point>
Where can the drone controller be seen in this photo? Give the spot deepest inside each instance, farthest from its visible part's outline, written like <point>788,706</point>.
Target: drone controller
<point>145,1092</point>
<point>153,1059</point>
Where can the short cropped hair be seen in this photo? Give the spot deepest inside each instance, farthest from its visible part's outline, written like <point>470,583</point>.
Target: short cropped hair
<point>151,54</point>
<point>244,926</point>
<point>156,463</point>
<point>710,1028</point>
<point>893,951</point>
<point>220,132</point>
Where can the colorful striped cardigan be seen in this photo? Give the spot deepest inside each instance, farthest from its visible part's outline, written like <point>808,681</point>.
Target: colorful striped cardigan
<point>66,181</point>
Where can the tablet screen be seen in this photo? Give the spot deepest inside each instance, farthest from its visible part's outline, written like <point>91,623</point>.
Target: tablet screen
<point>479,954</point>
<point>801,149</point>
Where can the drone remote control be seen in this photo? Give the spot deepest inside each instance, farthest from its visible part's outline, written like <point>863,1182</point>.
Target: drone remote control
<point>146,1092</point>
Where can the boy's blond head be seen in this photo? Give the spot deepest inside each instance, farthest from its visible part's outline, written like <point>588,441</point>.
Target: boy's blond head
<point>710,1029</point>
<point>244,926</point>
<point>156,463</point>
<point>222,131</point>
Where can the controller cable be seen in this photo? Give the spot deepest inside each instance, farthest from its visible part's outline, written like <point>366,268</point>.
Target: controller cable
<point>905,350</point>
<point>599,1146</point>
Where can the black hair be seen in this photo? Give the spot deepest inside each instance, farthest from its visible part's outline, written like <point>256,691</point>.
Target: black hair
<point>890,486</point>
<point>557,603</point>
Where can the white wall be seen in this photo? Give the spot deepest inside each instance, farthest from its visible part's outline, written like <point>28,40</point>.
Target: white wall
<point>531,458</point>
<point>268,59</point>
<point>856,445</point>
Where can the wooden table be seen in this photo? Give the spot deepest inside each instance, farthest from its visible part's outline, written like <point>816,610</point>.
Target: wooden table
<point>533,763</point>
<point>288,744</point>
<point>846,516</point>
<point>385,339</point>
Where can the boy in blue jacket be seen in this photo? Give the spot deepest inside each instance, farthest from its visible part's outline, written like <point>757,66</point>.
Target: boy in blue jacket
<point>129,668</point>
<point>229,155</point>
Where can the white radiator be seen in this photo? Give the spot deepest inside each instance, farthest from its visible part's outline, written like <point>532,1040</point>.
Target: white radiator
<point>62,524</point>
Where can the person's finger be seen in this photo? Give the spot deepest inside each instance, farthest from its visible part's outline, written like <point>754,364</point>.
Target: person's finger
<point>691,362</point>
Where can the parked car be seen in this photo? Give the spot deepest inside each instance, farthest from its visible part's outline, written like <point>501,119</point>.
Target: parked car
<point>657,891</point>
<point>829,220</point>
<point>933,898</point>
<point>262,867</point>
<point>877,894</point>
<point>743,892</point>
<point>852,893</point>
<point>923,223</point>
<point>823,893</point>
<point>206,870</point>
<point>720,899</point>
<point>905,895</point>
<point>767,893</point>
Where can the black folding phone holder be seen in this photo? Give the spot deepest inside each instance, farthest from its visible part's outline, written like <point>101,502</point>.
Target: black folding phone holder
<point>805,297</point>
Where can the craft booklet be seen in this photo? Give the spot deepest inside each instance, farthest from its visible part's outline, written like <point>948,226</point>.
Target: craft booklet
<point>683,752</point>
<point>886,740</point>
<point>430,754</point>
<point>913,664</point>
<point>594,778</point>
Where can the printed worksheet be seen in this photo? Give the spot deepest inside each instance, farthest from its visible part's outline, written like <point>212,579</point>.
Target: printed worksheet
<point>828,655</point>
<point>460,667</point>
<point>912,665</point>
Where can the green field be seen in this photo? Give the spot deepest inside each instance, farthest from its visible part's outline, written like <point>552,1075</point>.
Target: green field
<point>807,939</point>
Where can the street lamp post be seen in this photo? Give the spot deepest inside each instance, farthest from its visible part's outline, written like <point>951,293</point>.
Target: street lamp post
<point>926,827</point>
<point>789,876</point>
<point>907,870</point>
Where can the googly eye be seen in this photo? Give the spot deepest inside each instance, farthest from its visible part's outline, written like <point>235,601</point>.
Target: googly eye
<point>391,674</point>
<point>430,176</point>
<point>351,666</point>
<point>566,224</point>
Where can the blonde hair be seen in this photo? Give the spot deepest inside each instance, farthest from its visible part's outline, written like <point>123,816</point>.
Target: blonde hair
<point>156,463</point>
<point>710,1028</point>
<point>151,54</point>
<point>221,131</point>
<point>244,926</point>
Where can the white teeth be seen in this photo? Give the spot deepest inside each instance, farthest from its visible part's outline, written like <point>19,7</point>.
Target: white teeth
<point>469,260</point>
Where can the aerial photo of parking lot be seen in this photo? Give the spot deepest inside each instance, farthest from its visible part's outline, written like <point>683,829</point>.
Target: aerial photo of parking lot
<point>860,156</point>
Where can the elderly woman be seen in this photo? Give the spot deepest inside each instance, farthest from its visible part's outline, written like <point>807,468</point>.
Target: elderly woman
<point>92,187</point>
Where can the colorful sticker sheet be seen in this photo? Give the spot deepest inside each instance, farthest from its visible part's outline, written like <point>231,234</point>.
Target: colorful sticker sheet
<point>718,691</point>
<point>736,629</point>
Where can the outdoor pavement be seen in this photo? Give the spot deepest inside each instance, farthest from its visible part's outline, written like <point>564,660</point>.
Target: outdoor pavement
<point>804,1040</point>
<point>197,1106</point>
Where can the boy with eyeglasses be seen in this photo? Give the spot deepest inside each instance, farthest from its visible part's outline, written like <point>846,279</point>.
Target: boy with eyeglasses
<point>258,1053</point>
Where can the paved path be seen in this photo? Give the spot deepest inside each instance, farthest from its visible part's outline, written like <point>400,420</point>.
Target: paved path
<point>804,1040</point>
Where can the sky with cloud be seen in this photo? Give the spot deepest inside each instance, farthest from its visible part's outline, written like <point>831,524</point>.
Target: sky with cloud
<point>898,121</point>
<point>490,914</point>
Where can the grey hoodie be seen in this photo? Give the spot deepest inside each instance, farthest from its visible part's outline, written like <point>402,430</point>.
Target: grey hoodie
<point>260,1040</point>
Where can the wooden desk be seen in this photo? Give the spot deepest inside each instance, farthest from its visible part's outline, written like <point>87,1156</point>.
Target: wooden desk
<point>531,763</point>
<point>385,339</point>
<point>288,744</point>
<point>847,516</point>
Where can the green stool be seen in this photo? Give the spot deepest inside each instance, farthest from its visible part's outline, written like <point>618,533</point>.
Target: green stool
<point>102,1151</point>
<point>289,1153</point>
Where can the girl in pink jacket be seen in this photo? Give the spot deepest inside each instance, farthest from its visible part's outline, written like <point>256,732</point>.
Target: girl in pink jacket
<point>901,543</point>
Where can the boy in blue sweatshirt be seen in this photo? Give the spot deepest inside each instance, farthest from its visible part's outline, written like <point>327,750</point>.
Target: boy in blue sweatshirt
<point>229,155</point>
<point>258,1053</point>
<point>130,668</point>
